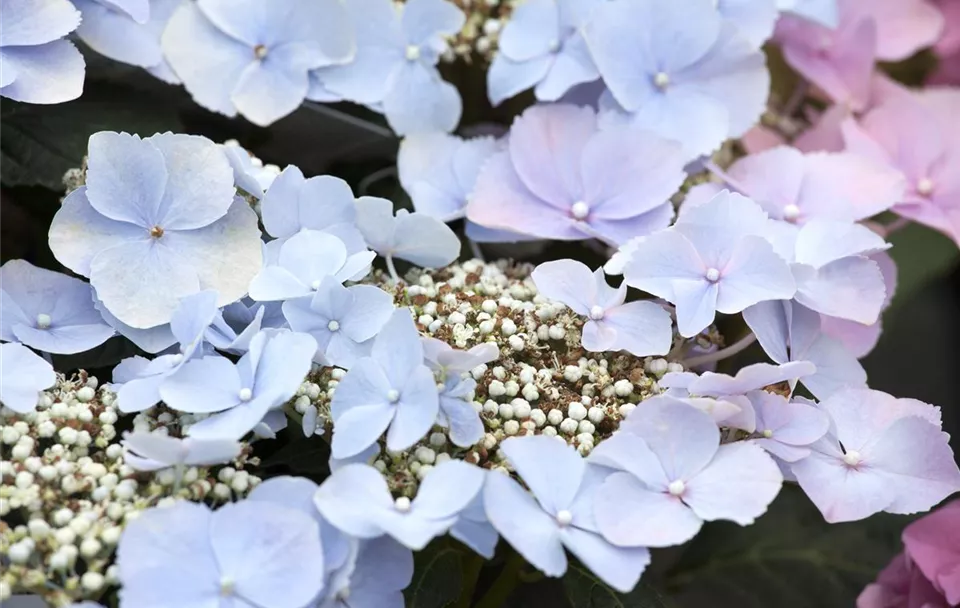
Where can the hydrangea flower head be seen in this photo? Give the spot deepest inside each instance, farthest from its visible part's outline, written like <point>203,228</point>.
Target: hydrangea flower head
<point>253,553</point>
<point>673,475</point>
<point>235,326</point>
<point>907,135</point>
<point>690,76</point>
<point>754,19</point>
<point>293,203</point>
<point>49,311</point>
<point>567,179</point>
<point>343,320</point>
<point>542,45</point>
<point>415,237</point>
<point>390,388</point>
<point>789,331</point>
<point>797,187</point>
<point>559,514</point>
<point>447,360</point>
<point>750,378</point>
<point>713,259</point>
<point>380,570</point>
<point>303,262</point>
<point>38,65</point>
<point>641,328</point>
<point>398,47</point>
<point>881,454</point>
<point>264,378</point>
<point>23,374</point>
<point>157,221</point>
<point>901,583</point>
<point>785,428</point>
<point>356,499</point>
<point>128,31</point>
<point>155,451</point>
<point>933,543</point>
<point>253,57</point>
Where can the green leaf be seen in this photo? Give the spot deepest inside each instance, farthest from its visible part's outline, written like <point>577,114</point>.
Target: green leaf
<point>789,558</point>
<point>437,576</point>
<point>41,142</point>
<point>585,590</point>
<point>922,254</point>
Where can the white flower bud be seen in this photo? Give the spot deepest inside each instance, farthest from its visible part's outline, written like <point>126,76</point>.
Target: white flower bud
<point>21,451</point>
<point>91,581</point>
<point>455,318</point>
<point>46,429</point>
<point>80,524</point>
<point>506,411</point>
<point>9,435</point>
<point>125,491</point>
<point>530,392</point>
<point>550,431</point>
<point>423,471</point>
<point>39,529</point>
<point>489,441</point>
<point>240,482</point>
<point>62,517</point>
<point>516,343</point>
<point>19,553</point>
<point>222,491</point>
<point>521,408</point>
<point>572,373</point>
<point>554,417</point>
<point>511,427</point>
<point>86,394</point>
<point>496,389</point>
<point>425,455</point>
<point>596,415</point>
<point>511,388</point>
<point>438,439</point>
<point>489,306</point>
<point>111,535</point>
<point>226,474</point>
<point>674,368</point>
<point>538,417</point>
<point>90,547</point>
<point>557,332</point>
<point>587,427</point>
<point>65,536</point>
<point>576,410</point>
<point>59,560</point>
<point>626,408</point>
<point>85,415</point>
<point>622,388</point>
<point>508,327</point>
<point>569,426</point>
<point>433,327</point>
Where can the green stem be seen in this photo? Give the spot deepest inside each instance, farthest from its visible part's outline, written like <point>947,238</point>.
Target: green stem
<point>505,584</point>
<point>471,573</point>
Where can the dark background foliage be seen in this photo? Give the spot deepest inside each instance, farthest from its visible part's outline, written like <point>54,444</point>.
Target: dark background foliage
<point>790,558</point>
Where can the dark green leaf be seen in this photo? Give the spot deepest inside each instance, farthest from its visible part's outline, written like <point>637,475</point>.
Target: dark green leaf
<point>40,142</point>
<point>922,254</point>
<point>585,590</point>
<point>297,455</point>
<point>790,558</point>
<point>437,576</point>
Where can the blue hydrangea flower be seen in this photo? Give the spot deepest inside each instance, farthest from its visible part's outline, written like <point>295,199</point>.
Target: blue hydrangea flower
<point>49,311</point>
<point>157,221</point>
<point>679,70</point>
<point>235,326</point>
<point>254,56</point>
<point>750,378</point>
<point>250,553</point>
<point>824,12</point>
<point>297,493</point>
<point>137,380</point>
<point>447,360</point>
<point>303,261</point>
<point>23,375</point>
<point>562,177</point>
<point>36,65</point>
<point>785,428</point>
<point>390,388</point>
<point>542,45</point>
<point>673,475</point>
<point>474,529</point>
<point>374,578</point>
<point>641,328</point>
<point>754,19</point>
<point>414,237</point>
<point>293,203</point>
<point>249,173</point>
<point>457,413</point>
<point>343,320</point>
<point>128,31</point>
<point>357,500</point>
<point>714,259</point>
<point>559,514</point>
<point>790,332</point>
<point>155,451</point>
<point>264,379</point>
<point>394,71</point>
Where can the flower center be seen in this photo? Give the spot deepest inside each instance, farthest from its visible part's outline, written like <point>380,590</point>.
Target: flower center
<point>791,213</point>
<point>596,312</point>
<point>245,394</point>
<point>413,52</point>
<point>333,325</point>
<point>402,504</point>
<point>712,275</point>
<point>925,186</point>
<point>177,358</point>
<point>767,433</point>
<point>676,488</point>
<point>393,395</point>
<point>580,210</point>
<point>852,458</point>
<point>554,45</point>
<point>343,594</point>
<point>564,517</point>
<point>43,321</point>
<point>315,285</point>
<point>260,51</point>
<point>227,586</point>
<point>661,80</point>
<point>156,232</point>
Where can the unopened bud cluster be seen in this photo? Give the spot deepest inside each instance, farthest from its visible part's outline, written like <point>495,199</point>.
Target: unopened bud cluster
<point>481,30</point>
<point>66,493</point>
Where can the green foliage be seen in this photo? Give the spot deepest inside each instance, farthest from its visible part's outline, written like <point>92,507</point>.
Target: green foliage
<point>437,576</point>
<point>790,558</point>
<point>41,142</point>
<point>584,590</point>
<point>922,255</point>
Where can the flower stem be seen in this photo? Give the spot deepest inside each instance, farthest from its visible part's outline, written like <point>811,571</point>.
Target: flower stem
<point>724,353</point>
<point>505,584</point>
<point>391,268</point>
<point>475,250</point>
<point>897,224</point>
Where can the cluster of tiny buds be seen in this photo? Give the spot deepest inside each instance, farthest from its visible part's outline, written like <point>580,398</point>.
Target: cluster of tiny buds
<point>66,492</point>
<point>481,30</point>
